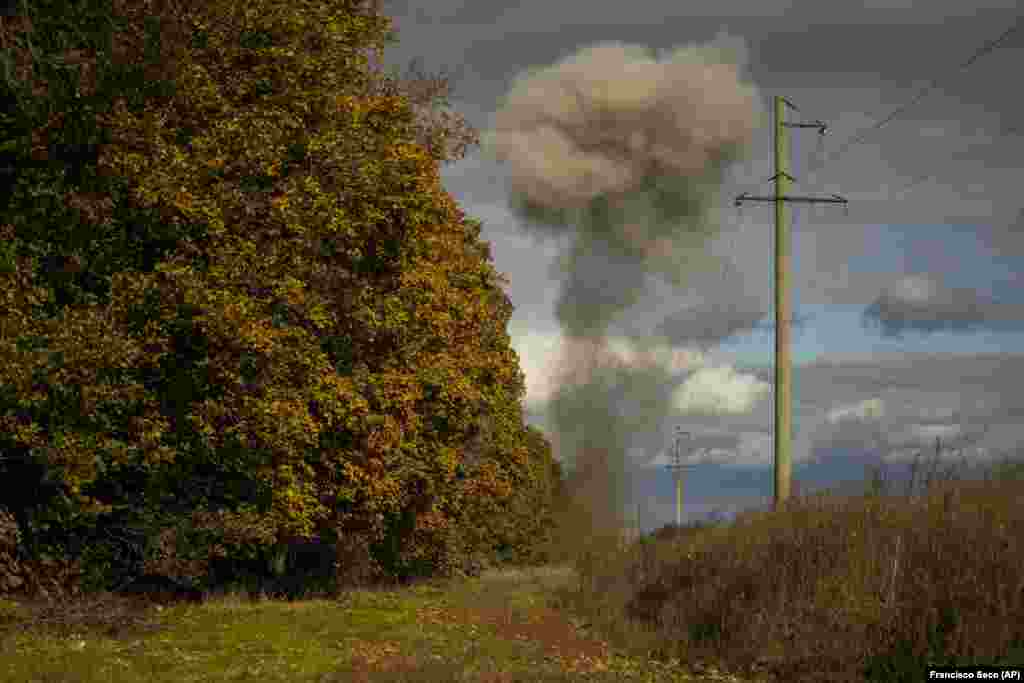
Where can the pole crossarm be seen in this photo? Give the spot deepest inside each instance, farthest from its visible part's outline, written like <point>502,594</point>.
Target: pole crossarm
<point>834,199</point>
<point>817,124</point>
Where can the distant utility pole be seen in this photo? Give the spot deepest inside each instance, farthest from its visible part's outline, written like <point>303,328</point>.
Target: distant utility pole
<point>631,524</point>
<point>783,369</point>
<point>677,471</point>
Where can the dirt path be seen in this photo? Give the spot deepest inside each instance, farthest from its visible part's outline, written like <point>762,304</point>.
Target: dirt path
<point>500,628</point>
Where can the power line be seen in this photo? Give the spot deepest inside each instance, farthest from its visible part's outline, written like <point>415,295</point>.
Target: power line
<point>985,49</point>
<point>978,54</point>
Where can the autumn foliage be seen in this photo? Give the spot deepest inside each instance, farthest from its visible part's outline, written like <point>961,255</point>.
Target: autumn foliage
<point>237,307</point>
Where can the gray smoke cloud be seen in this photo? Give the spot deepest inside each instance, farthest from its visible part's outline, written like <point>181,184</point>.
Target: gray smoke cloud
<point>617,154</point>
<point>706,326</point>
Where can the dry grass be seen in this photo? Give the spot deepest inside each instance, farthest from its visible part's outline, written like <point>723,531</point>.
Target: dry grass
<point>835,587</point>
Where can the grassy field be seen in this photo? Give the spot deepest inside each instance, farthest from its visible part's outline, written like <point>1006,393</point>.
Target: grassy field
<point>834,587</point>
<point>502,626</point>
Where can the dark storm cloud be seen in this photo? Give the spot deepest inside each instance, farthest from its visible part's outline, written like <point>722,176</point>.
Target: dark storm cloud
<point>922,303</point>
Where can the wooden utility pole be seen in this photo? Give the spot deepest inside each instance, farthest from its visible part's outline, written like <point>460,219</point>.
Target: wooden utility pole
<point>783,397</point>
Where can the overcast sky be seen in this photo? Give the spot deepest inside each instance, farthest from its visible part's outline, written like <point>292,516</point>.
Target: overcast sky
<point>912,310</point>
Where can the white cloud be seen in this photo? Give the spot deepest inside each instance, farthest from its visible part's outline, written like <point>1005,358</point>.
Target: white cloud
<point>538,358</point>
<point>540,352</point>
<point>704,446</point>
<point>915,288</point>
<point>929,432</point>
<point>719,390</point>
<point>870,409</point>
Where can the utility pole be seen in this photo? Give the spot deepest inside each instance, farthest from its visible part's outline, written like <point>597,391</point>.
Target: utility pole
<point>783,397</point>
<point>677,471</point>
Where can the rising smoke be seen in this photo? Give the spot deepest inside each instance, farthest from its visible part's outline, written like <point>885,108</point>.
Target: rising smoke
<point>619,155</point>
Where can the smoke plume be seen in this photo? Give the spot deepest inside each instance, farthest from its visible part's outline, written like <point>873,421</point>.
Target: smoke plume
<point>618,155</point>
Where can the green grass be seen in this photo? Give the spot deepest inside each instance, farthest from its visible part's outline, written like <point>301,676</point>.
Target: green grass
<point>835,586</point>
<point>499,627</point>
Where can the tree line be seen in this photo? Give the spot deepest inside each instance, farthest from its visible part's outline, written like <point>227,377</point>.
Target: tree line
<point>238,310</point>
